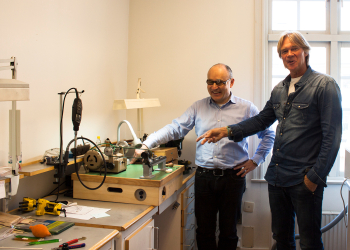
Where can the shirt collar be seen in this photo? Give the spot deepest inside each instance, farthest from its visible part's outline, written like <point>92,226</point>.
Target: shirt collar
<point>232,100</point>
<point>302,81</point>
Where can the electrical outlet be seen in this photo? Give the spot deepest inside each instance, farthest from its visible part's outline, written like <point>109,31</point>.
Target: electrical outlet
<point>248,206</point>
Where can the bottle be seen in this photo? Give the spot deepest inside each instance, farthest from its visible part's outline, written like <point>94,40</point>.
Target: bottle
<point>98,142</point>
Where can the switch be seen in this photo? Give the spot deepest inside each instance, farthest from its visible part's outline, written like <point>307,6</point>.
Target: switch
<point>248,206</point>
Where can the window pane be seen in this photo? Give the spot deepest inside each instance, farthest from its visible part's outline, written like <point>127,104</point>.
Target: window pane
<point>318,62</point>
<point>279,17</point>
<point>318,59</point>
<point>316,20</point>
<point>345,16</point>
<point>278,69</point>
<point>345,92</point>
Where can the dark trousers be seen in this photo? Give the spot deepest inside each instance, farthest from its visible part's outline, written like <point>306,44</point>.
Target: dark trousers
<point>285,203</point>
<point>215,194</point>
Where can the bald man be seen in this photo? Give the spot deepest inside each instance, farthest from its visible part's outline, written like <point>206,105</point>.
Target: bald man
<point>221,167</point>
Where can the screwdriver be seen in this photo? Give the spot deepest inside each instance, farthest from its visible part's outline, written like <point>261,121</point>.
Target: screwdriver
<point>44,242</point>
<point>73,241</point>
<point>65,246</point>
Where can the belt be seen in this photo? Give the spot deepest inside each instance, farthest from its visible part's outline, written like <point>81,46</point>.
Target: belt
<point>218,171</point>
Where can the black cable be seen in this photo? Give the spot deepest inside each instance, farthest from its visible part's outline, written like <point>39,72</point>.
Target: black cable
<point>54,189</point>
<point>61,139</point>
<point>76,167</point>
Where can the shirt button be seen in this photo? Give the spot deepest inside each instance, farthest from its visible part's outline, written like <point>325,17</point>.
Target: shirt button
<point>216,144</point>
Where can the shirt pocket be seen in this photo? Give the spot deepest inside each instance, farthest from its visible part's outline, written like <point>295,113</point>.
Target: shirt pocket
<point>278,111</point>
<point>299,113</point>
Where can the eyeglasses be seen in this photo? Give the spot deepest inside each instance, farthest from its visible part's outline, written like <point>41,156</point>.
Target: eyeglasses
<point>218,82</point>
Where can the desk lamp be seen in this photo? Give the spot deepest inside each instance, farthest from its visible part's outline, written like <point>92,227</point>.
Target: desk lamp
<point>138,104</point>
<point>13,90</point>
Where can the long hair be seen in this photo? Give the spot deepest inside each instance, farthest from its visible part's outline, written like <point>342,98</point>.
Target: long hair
<point>298,39</point>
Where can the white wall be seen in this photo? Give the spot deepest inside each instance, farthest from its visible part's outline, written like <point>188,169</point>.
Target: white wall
<point>62,44</point>
<point>172,45</point>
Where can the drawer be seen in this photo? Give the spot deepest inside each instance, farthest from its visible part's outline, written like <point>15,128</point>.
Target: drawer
<point>187,195</point>
<point>189,245</point>
<point>187,214</point>
<point>189,231</point>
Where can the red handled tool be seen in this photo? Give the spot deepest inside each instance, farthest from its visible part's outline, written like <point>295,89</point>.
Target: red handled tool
<point>73,241</point>
<point>65,246</point>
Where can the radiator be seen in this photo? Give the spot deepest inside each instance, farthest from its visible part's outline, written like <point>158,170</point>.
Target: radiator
<point>333,239</point>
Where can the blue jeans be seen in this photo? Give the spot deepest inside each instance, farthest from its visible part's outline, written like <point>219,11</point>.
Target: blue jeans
<point>285,203</point>
<point>215,194</point>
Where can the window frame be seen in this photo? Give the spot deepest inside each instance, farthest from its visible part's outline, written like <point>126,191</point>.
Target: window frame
<point>264,37</point>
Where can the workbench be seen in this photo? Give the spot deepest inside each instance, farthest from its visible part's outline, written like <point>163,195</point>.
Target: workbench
<point>99,238</point>
<point>134,226</point>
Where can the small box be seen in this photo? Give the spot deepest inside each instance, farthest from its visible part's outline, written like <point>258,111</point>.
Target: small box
<point>170,153</point>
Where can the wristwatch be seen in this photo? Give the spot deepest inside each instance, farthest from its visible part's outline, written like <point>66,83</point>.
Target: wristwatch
<point>256,164</point>
<point>229,131</point>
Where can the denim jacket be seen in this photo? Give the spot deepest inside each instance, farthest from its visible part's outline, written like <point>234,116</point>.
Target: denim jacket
<point>308,133</point>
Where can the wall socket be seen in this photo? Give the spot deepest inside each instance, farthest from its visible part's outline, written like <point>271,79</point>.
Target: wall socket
<point>248,206</point>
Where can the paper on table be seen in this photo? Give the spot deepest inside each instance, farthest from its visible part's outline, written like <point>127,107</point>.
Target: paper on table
<point>84,212</point>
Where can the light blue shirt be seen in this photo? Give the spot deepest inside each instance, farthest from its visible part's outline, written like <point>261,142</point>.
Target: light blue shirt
<point>204,115</point>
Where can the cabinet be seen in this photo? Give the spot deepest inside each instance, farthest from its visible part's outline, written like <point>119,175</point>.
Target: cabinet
<point>188,221</point>
<point>142,238</point>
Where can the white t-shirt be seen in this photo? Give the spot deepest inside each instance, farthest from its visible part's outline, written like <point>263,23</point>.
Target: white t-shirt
<point>293,81</point>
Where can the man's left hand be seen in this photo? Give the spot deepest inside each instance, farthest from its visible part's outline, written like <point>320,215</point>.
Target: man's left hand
<point>309,184</point>
<point>245,168</point>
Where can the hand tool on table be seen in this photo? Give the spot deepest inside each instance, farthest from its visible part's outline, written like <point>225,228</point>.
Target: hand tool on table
<point>47,207</point>
<point>27,205</point>
<point>73,241</point>
<point>28,237</point>
<point>65,246</point>
<point>21,248</point>
<point>43,242</point>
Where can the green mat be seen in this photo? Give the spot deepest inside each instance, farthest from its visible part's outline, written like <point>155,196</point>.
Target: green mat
<point>134,171</point>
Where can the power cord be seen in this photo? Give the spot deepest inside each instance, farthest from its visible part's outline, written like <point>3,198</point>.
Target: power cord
<point>342,198</point>
<point>76,119</point>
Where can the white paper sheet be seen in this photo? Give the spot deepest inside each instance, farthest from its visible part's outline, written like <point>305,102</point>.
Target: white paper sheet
<point>84,212</point>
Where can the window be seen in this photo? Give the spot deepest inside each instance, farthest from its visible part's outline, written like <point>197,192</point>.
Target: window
<point>326,26</point>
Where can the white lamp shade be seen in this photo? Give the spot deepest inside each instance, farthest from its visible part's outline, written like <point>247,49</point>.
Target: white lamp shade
<point>135,103</point>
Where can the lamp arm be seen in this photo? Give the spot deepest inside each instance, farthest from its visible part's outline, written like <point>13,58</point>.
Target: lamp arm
<point>136,139</point>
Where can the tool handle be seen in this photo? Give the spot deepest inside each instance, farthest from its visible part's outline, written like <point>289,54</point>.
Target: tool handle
<point>70,242</point>
<point>76,246</point>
